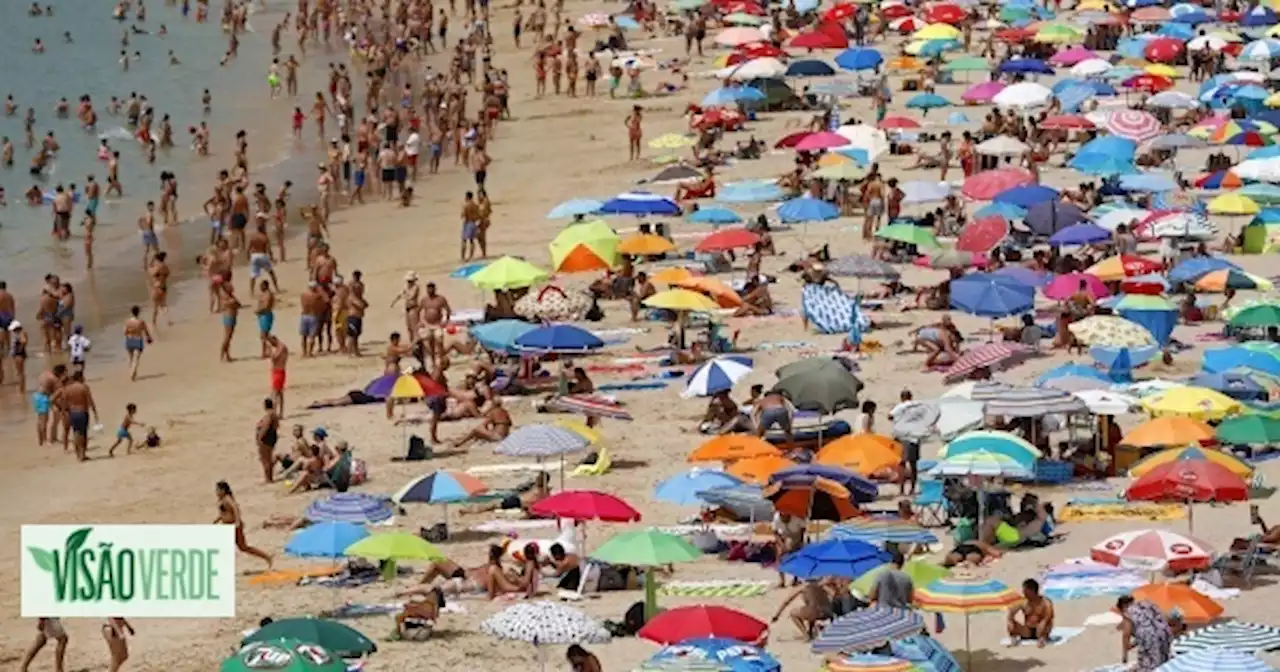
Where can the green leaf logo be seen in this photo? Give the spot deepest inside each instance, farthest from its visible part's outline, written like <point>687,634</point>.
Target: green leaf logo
<point>43,559</point>
<point>76,539</point>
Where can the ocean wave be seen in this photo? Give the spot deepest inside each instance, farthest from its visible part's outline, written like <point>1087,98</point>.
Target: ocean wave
<point>116,133</point>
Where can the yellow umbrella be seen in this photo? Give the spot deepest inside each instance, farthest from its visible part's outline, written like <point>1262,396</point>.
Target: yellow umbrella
<point>1229,462</point>
<point>1226,36</point>
<point>1194,402</point>
<point>1274,31</point>
<point>1111,330</point>
<point>1095,6</point>
<point>844,171</point>
<point>590,246</point>
<point>508,273</point>
<point>645,245</point>
<point>1232,203</point>
<point>681,300</point>
<point>672,141</point>
<point>1273,100</point>
<point>1109,269</point>
<point>1162,70</point>
<point>672,275</point>
<point>830,159</point>
<point>937,31</point>
<point>407,387</point>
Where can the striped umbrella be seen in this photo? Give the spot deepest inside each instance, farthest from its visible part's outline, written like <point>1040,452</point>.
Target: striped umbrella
<point>955,595</point>
<point>444,486</point>
<point>1033,402</point>
<point>926,653</point>
<point>1003,443</point>
<point>541,441</point>
<point>1219,660</point>
<point>717,375</point>
<point>883,531</point>
<point>983,463</point>
<point>1135,125</point>
<point>1232,635</point>
<point>859,266</point>
<point>986,356</point>
<point>867,662</point>
<point>349,507</point>
<point>868,629</point>
<point>590,405</point>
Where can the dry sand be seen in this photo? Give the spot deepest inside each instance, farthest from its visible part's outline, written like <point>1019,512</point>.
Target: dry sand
<point>555,148</point>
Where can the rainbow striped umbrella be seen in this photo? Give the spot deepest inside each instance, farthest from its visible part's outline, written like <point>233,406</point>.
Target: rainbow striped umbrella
<point>883,531</point>
<point>867,662</point>
<point>954,595</point>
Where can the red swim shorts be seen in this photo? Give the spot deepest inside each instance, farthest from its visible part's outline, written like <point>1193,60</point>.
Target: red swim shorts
<point>277,380</point>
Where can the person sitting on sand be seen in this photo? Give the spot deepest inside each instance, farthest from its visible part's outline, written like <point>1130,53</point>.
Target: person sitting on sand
<point>640,291</point>
<point>756,300</point>
<point>567,567</point>
<point>816,608</point>
<point>494,427</point>
<point>1270,535</point>
<point>1036,615</point>
<point>937,339</point>
<point>722,416</point>
<point>695,189</point>
<point>419,614</point>
<point>312,472</point>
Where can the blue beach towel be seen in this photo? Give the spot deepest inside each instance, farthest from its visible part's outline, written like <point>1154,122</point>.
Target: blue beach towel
<point>831,311</point>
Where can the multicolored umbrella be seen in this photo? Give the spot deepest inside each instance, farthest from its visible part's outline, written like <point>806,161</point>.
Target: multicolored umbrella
<point>921,571</point>
<point>1231,636</point>
<point>1001,443</point>
<point>868,629</point>
<point>868,662</point>
<point>717,375</point>
<point>733,655</point>
<point>1032,402</point>
<point>983,463</point>
<point>350,507</point>
<point>444,486</point>
<point>1230,462</point>
<point>927,653</point>
<point>966,596</point>
<point>986,356</point>
<point>1224,660</point>
<point>818,499</point>
<point>1124,266</point>
<point>590,246</point>
<point>703,621</point>
<point>1153,550</point>
<point>1135,125</point>
<point>880,530</point>
<point>590,405</point>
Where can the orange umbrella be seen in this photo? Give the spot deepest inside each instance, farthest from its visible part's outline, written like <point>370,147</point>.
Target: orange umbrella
<point>758,469</point>
<point>672,274</point>
<point>865,454</point>
<point>722,293</point>
<point>580,259</point>
<point>820,499</point>
<point>730,447</point>
<point>645,245</point>
<point>1169,430</point>
<point>1195,607</point>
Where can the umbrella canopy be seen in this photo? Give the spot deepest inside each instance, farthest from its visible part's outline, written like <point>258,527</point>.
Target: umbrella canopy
<point>1266,315</point>
<point>1191,454</point>
<point>909,234</point>
<point>1026,196</point>
<point>882,531</point>
<point>543,622</point>
<point>1234,384</point>
<point>338,639</point>
<point>500,335</point>
<point>349,507</point>
<point>847,558</point>
<point>983,463</point>
<point>640,203</point>
<point>559,338</point>
<point>541,441</point>
<point>1134,125</point>
<point>864,454</point>
<point>867,629</point>
<point>988,184</point>
<point>1067,285</point>
<point>394,546</point>
<point>826,390</point>
<point>646,548</point>
<point>589,246</point>
<point>1170,430</point>
<point>734,655</point>
<point>990,295</point>
<point>683,488</point>
<point>1189,480</point>
<point>1049,217</point>
<point>702,621</point>
<point>444,486</point>
<point>816,499</point>
<point>1110,330</point>
<point>915,421</point>
<point>1249,430</point>
<point>868,662</point>
<point>727,239</point>
<point>807,209</point>
<point>983,234</point>
<point>986,356</point>
<point>325,540</point>
<point>283,655</point>
<point>1231,636</point>
<point>1193,402</point>
<point>1192,605</point>
<point>1241,357</point>
<point>1080,234</point>
<point>1122,266</point>
<point>966,596</point>
<point>1215,659</point>
<point>859,266</point>
<point>1003,443</point>
<point>859,59</point>
<point>861,489</point>
<point>717,375</point>
<point>760,469</point>
<point>1153,550</point>
<point>730,447</point>
<point>681,300</point>
<point>585,505</point>
<point>644,245</point>
<point>926,652</point>
<point>508,273</point>
<point>579,206</point>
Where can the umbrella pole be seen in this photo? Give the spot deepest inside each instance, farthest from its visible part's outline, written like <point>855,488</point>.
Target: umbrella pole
<point>650,594</point>
<point>1191,518</point>
<point>968,652</point>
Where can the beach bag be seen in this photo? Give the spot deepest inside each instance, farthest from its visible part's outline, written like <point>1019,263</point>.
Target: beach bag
<point>418,450</point>
<point>963,531</point>
<point>1007,535</point>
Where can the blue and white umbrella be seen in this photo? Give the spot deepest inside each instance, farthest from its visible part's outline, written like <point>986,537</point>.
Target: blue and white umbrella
<point>575,208</point>
<point>714,216</point>
<point>732,95</point>
<point>639,203</point>
<point>684,488</point>
<point>753,191</point>
<point>1218,660</point>
<point>1260,15</point>
<point>350,507</point>
<point>868,530</point>
<point>927,654</point>
<point>732,654</point>
<point>1232,635</point>
<point>717,375</point>
<point>1260,50</point>
<point>868,629</point>
<point>541,441</point>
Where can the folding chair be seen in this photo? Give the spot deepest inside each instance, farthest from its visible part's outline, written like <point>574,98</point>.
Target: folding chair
<point>1242,563</point>
<point>931,504</point>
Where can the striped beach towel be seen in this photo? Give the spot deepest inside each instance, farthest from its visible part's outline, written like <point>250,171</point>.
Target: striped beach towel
<point>714,588</point>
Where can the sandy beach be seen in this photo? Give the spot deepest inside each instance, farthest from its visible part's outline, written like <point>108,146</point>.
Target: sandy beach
<point>553,149</point>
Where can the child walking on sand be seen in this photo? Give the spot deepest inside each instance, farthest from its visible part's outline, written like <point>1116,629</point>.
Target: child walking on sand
<point>122,434</point>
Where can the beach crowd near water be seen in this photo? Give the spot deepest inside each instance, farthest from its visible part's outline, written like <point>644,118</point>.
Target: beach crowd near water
<point>1061,275</point>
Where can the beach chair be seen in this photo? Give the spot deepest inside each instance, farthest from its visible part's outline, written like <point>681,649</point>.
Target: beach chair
<point>931,504</point>
<point>1241,563</point>
<point>597,468</point>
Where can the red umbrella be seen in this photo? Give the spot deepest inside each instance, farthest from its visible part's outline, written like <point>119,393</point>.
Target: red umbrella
<point>1189,480</point>
<point>839,12</point>
<point>1133,265</point>
<point>895,12</point>
<point>982,235</point>
<point>1148,82</point>
<point>790,141</point>
<point>825,36</point>
<point>823,140</point>
<point>1146,288</point>
<point>985,356</point>
<point>585,505</point>
<point>985,185</point>
<point>1233,49</point>
<point>1163,50</point>
<point>1067,122</point>
<point>741,7</point>
<point>897,123</point>
<point>945,13</point>
<point>754,50</point>
<point>1013,35</point>
<point>700,621</point>
<point>727,239</point>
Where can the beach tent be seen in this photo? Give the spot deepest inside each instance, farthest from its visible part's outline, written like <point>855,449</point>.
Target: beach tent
<point>777,94</point>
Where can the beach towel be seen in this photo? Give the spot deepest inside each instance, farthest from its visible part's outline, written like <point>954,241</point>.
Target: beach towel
<point>356,610</point>
<point>288,577</point>
<point>507,468</point>
<point>633,386</point>
<point>720,530</point>
<point>1059,636</point>
<point>1213,592</point>
<point>831,311</point>
<point>785,345</point>
<point>501,526</point>
<point>1127,511</point>
<point>727,588</point>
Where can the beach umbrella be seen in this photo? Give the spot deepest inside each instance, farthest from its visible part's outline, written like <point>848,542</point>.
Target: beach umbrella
<point>590,246</point>
<point>799,476</point>
<point>990,356</point>
<point>645,245</point>
<point>1172,430</point>
<point>1049,217</point>
<point>1063,287</point>
<point>394,546</point>
<point>1135,125</point>
<point>680,300</point>
<point>987,184</point>
<point>825,36</point>
<point>983,234</point>
<point>714,216</point>
<point>1193,269</point>
<point>673,175</point>
<point>1071,370</point>
<point>589,405</point>
<point>860,266</point>
<point>1120,361</point>
<point>1153,551</point>
<point>846,171</point>
<point>1080,234</point>
<point>640,203</point>
<point>967,597</point>
<point>821,140</point>
<point>1031,402</point>
<point>753,191</point>
<point>989,295</point>
<point>1257,316</point>
<point>735,656</point>
<point>732,37</point>
<point>813,499</point>
<point>1229,636</point>
<point>1190,480</point>
<point>683,488</point>
<point>1194,402</point>
<point>1234,384</point>
<point>702,621</point>
<point>1002,145</point>
<point>283,655</point>
<point>646,548</point>
<point>1025,94</point>
<point>848,558</point>
<point>807,209</point>
<point>1121,266</point>
<point>826,390</point>
<point>325,540</point>
<point>1222,179</point>
<point>1067,122</point>
<point>1215,659</point>
<point>508,273</point>
<point>758,68</point>
<point>1249,430</point>
<point>1007,211</point>
<point>338,639</point>
<point>586,505</point>
<point>727,96</point>
<point>1264,194</point>
<point>839,89</point>
<point>391,386</point>
<point>1023,275</point>
<point>1232,203</point>
<point>926,652</point>
<point>879,530</point>
<point>859,59</point>
<point>967,64</point>
<point>559,338</point>
<point>731,447</point>
<point>578,207</point>
<point>717,375</point>
<point>867,629</point>
<point>925,191</point>
<point>1090,68</point>
<point>1026,196</point>
<point>927,101</point>
<point>1033,66</point>
<point>349,507</point>
<point>868,662</point>
<point>872,141</point>
<point>809,68</point>
<point>727,239</point>
<point>759,470</point>
<point>1148,182</point>
<point>1070,56</point>
<point>864,454</point>
<point>443,486</point>
<point>1103,402</point>
<point>544,623</point>
<point>1110,330</point>
<point>983,463</point>
<point>541,441</point>
<point>1000,443</point>
<point>1194,453</point>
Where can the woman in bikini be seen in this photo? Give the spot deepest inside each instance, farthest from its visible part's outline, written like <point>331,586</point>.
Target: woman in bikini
<point>229,514</point>
<point>312,471</point>
<point>114,632</point>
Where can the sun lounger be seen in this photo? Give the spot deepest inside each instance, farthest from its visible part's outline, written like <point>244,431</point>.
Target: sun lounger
<point>828,431</point>
<point>597,468</point>
<point>726,588</point>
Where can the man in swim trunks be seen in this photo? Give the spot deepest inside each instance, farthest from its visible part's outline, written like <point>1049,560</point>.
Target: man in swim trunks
<point>47,384</point>
<point>260,255</point>
<point>265,312</point>
<point>1036,613</point>
<point>356,305</point>
<point>312,306</point>
<point>434,314</point>
<point>147,228</point>
<point>278,353</point>
<point>136,336</point>
<point>774,410</point>
<point>79,401</point>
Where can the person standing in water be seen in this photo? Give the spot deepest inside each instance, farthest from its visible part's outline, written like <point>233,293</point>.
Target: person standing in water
<point>229,514</point>
<point>136,337</point>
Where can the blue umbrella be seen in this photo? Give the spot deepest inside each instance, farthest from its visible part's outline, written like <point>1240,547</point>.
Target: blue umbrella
<point>683,488</point>
<point>1064,84</point>
<point>1225,359</point>
<point>574,208</point>
<point>559,338</point>
<point>325,540</point>
<point>1234,384</point>
<point>927,101</point>
<point>859,59</point>
<point>957,119</point>
<point>810,68</point>
<point>755,191</point>
<point>1071,370</point>
<point>927,654</point>
<point>807,209</point>
<point>730,95</point>
<point>1026,195</point>
<point>1121,361</point>
<point>467,270</point>
<point>626,22</point>
<point>1148,182</point>
<point>730,653</point>
<point>879,535</point>
<point>863,491</point>
<point>1080,234</point>
<point>847,558</point>
<point>1025,275</point>
<point>1193,18</point>
<point>936,48</point>
<point>1026,66</point>
<point>1195,268</point>
<point>1049,217</point>
<point>868,629</point>
<point>1260,15</point>
<point>1102,88</point>
<point>639,203</point>
<point>1160,322</point>
<point>857,154</point>
<point>990,295</point>
<point>717,375</point>
<point>1073,97</point>
<point>1273,118</point>
<point>714,216</point>
<point>1176,30</point>
<point>1106,155</point>
<point>350,507</point>
<point>501,335</point>
<point>1006,210</point>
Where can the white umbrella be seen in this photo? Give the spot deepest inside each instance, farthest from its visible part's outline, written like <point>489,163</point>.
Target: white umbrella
<point>542,623</point>
<point>1262,170</point>
<point>867,138</point>
<point>1113,218</point>
<point>1145,388</point>
<point>921,191</point>
<point>1182,224</point>
<point>1023,95</point>
<point>1090,67</point>
<point>1174,100</point>
<point>1210,41</point>
<point>1002,145</point>
<point>1260,50</point>
<point>958,415</point>
<point>732,37</point>
<point>1103,402</point>
<point>759,68</point>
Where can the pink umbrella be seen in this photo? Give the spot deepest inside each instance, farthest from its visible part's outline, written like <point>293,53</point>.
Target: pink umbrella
<point>988,356</point>
<point>983,234</point>
<point>1135,125</point>
<point>585,505</point>
<point>985,185</point>
<point>1071,56</point>
<point>1063,287</point>
<point>982,93</point>
<point>1153,550</point>
<point>823,140</point>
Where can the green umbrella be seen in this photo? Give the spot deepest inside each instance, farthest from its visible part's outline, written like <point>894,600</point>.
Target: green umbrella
<point>967,64</point>
<point>921,571</point>
<point>743,19</point>
<point>283,655</point>
<point>508,273</point>
<point>1249,430</point>
<point>393,547</point>
<point>826,390</point>
<point>647,548</point>
<point>910,234</point>
<point>807,365</point>
<point>339,639</point>
<point>687,5</point>
<point>1265,315</point>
